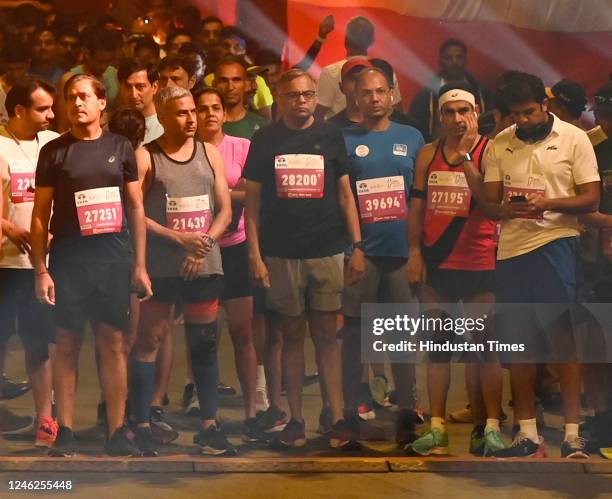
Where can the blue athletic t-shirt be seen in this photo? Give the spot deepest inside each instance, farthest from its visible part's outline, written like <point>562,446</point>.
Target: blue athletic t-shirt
<point>387,153</point>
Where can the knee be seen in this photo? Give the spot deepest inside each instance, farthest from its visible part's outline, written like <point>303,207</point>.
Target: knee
<point>324,339</point>
<point>110,343</point>
<point>148,343</point>
<point>242,335</point>
<point>202,342</point>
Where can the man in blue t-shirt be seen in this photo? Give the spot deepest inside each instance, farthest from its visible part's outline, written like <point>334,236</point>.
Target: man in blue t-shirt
<point>381,156</point>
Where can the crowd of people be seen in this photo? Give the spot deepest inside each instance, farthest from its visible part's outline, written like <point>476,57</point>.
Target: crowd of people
<point>193,173</point>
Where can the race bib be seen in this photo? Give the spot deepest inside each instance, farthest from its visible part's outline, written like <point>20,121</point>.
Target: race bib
<point>189,214</point>
<point>381,199</point>
<point>99,210</point>
<point>448,193</point>
<point>523,186</point>
<point>22,181</point>
<point>299,175</point>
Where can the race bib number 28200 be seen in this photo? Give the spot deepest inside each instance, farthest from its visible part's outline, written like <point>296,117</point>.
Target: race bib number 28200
<point>299,175</point>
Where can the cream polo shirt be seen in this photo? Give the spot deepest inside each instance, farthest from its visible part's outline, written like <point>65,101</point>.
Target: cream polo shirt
<point>18,213</point>
<point>565,159</point>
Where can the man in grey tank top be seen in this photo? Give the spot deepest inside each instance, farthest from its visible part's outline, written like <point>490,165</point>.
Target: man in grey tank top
<point>187,204</point>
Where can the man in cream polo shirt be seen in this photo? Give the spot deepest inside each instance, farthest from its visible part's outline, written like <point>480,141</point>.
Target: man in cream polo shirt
<point>544,173</point>
<point>29,106</point>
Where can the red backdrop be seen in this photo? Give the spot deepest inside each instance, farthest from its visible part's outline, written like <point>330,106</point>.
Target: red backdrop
<point>411,44</point>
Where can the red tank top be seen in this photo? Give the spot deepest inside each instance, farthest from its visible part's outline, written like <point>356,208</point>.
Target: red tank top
<point>474,247</point>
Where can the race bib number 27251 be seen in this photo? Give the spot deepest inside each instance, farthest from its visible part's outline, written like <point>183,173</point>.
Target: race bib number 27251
<point>299,175</point>
<point>99,210</point>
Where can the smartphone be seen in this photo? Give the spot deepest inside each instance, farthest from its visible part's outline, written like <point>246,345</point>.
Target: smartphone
<point>518,199</point>
<point>486,123</point>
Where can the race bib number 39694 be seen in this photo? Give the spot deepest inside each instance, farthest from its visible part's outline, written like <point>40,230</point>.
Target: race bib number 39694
<point>381,199</point>
<point>188,214</point>
<point>99,210</point>
<point>299,175</point>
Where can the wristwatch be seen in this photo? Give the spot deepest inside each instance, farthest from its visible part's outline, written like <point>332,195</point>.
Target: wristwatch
<point>467,157</point>
<point>359,245</point>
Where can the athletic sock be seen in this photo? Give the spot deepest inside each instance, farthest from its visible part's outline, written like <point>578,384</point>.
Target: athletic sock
<point>260,379</point>
<point>492,425</point>
<point>529,428</point>
<point>141,382</point>
<point>438,423</point>
<point>571,430</point>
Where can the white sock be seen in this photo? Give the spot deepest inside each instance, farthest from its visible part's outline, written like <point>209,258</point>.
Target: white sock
<point>260,378</point>
<point>571,430</point>
<point>438,423</point>
<point>492,424</point>
<point>529,428</point>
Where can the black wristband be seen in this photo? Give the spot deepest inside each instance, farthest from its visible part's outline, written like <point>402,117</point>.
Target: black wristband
<point>418,193</point>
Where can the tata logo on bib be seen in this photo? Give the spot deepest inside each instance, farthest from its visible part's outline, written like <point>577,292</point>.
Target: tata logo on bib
<point>362,187</point>
<point>281,161</point>
<point>81,198</point>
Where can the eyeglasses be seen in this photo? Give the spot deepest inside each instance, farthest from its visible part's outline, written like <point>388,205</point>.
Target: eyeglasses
<point>307,94</point>
<point>602,99</point>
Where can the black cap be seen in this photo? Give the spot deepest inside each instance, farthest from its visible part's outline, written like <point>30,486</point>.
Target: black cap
<point>603,97</point>
<point>569,92</point>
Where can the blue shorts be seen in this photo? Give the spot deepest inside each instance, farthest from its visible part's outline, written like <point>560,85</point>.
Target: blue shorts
<point>546,275</point>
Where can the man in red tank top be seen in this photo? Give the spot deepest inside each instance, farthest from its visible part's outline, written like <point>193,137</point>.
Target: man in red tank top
<point>452,258</point>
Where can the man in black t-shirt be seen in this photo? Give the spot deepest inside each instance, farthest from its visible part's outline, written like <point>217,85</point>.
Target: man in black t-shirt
<point>90,178</point>
<point>299,205</point>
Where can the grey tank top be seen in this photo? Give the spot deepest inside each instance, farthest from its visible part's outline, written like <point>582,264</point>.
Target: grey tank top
<point>180,197</point>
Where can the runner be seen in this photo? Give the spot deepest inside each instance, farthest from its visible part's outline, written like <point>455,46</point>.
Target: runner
<point>237,297</point>
<point>297,175</point>
<point>188,208</point>
<point>380,153</point>
<point>452,257</point>
<point>90,177</point>
<point>138,84</point>
<point>29,105</point>
<point>536,259</point>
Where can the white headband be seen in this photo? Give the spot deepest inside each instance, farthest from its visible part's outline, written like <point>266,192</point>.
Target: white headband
<point>456,94</point>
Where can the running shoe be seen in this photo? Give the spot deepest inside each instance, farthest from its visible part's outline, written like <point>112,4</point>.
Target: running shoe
<point>188,392</point>
<point>12,389</point>
<point>193,407</point>
<point>120,444</point>
<point>366,411</point>
<point>292,436</point>
<point>163,433</point>
<point>477,440</point>
<point>344,435</point>
<point>575,447</point>
<point>223,389</point>
<point>379,387</point>
<point>310,379</point>
<point>166,400</point>
<point>273,420</point>
<point>143,438</point>
<point>493,442</point>
<point>46,433</point>
<point>434,441</point>
<point>252,433</point>
<point>522,446</point>
<point>212,442</point>
<point>461,415</point>
<point>65,444</point>
<point>405,426</point>
<point>325,421</point>
<point>11,422</point>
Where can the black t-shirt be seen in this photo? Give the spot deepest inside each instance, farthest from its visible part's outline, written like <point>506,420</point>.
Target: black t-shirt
<point>299,228</point>
<point>71,165</point>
